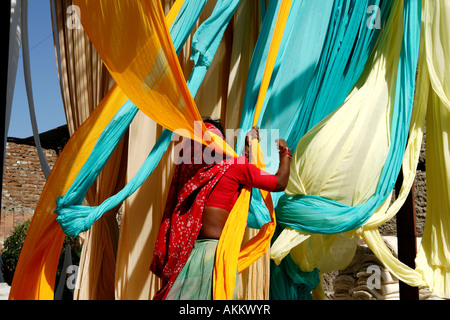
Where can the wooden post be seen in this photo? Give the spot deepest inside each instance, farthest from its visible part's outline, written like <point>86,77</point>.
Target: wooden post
<point>407,239</point>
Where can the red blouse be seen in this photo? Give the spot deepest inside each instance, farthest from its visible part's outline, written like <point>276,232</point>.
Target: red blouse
<point>242,173</point>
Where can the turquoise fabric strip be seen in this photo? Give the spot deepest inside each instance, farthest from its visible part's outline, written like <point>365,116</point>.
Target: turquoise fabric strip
<point>185,20</point>
<point>207,38</point>
<point>303,36</point>
<point>289,282</point>
<point>75,218</point>
<point>319,215</point>
<point>334,45</point>
<point>347,47</point>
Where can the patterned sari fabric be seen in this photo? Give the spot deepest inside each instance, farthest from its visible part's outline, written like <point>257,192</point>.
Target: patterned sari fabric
<point>192,182</point>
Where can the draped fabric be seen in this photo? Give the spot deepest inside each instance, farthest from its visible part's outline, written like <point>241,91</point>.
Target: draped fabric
<point>141,214</point>
<point>211,97</point>
<point>167,101</point>
<point>44,229</point>
<point>84,81</point>
<point>312,83</point>
<point>116,96</point>
<point>220,96</point>
<point>254,281</point>
<point>14,42</point>
<point>246,28</point>
<point>285,81</point>
<point>36,269</point>
<point>382,93</point>
<point>76,193</point>
<point>255,247</point>
<point>110,278</point>
<point>354,85</point>
<point>433,259</point>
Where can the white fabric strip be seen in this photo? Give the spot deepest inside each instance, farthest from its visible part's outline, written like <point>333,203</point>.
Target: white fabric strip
<point>13,59</point>
<point>27,74</point>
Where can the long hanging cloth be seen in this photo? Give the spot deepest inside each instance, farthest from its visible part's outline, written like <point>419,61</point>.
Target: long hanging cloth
<point>75,218</point>
<point>27,74</point>
<point>318,215</point>
<point>335,44</point>
<point>312,82</point>
<point>173,109</point>
<point>313,210</point>
<point>36,269</point>
<point>433,259</point>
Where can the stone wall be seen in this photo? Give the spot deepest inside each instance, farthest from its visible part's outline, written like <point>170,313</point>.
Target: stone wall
<point>23,182</point>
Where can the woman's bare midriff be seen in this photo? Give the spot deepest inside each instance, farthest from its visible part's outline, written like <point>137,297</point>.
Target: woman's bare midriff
<point>213,221</point>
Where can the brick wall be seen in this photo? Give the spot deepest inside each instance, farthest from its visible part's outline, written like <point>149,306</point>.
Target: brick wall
<point>23,182</point>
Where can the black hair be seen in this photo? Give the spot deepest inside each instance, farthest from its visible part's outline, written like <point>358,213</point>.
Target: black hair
<point>216,123</point>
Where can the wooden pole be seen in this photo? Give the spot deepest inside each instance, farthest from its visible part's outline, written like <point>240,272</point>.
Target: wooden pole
<point>407,239</point>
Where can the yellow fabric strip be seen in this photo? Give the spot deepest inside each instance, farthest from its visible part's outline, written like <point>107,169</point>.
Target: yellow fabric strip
<point>433,258</point>
<point>35,272</point>
<point>233,232</point>
<point>334,252</point>
<point>370,230</point>
<point>282,17</point>
<point>431,102</point>
<point>256,246</point>
<point>170,18</point>
<point>269,228</point>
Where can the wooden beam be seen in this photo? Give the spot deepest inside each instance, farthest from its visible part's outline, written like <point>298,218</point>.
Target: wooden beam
<point>407,239</point>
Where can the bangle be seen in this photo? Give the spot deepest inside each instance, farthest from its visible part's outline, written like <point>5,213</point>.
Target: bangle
<point>286,152</point>
<point>285,149</point>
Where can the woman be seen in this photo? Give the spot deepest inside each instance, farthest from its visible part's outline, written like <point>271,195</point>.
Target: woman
<point>200,199</point>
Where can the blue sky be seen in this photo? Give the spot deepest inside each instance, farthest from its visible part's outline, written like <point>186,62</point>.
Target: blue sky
<point>46,91</point>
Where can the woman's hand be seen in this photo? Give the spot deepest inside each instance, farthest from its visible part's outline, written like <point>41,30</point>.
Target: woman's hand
<point>284,168</point>
<point>252,134</point>
<point>281,143</point>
